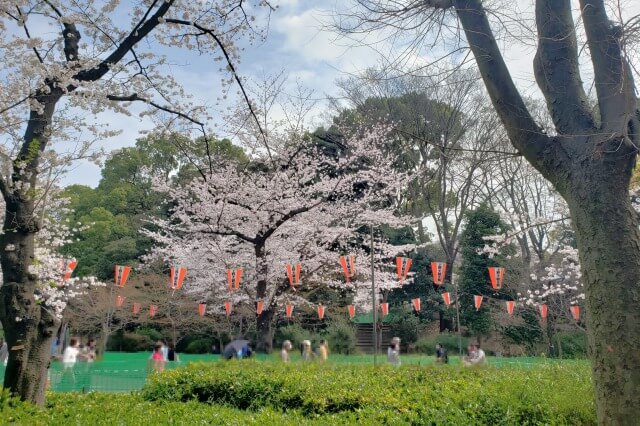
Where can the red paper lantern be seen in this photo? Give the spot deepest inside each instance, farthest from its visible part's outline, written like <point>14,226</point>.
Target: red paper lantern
<point>497,275</point>
<point>121,275</point>
<point>403,264</point>
<point>438,269</point>
<point>153,310</point>
<point>227,307</point>
<point>575,311</point>
<point>136,308</point>
<point>289,310</point>
<point>70,267</point>
<point>202,309</point>
<point>348,266</point>
<point>176,277</point>
<point>543,311</point>
<point>294,279</point>
<point>119,301</point>
<point>510,305</point>
<point>416,304</point>
<point>385,309</point>
<point>477,301</point>
<point>352,311</point>
<point>321,310</point>
<point>259,307</point>
<point>233,278</point>
<point>447,298</point>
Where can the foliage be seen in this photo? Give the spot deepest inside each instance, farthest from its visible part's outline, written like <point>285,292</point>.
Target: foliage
<point>295,333</point>
<point>427,345</point>
<point>407,327</point>
<point>572,344</point>
<point>129,342</point>
<point>434,395</point>
<point>341,335</point>
<point>199,346</point>
<point>474,277</point>
<point>529,333</point>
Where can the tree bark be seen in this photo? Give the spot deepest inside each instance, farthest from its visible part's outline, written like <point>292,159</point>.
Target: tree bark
<point>29,326</point>
<point>609,246</point>
<point>264,333</point>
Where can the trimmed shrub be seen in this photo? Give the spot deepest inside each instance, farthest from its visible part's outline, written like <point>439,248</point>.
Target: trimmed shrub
<point>199,346</point>
<point>342,338</point>
<point>573,345</point>
<point>129,342</point>
<point>293,332</point>
<point>407,327</point>
<point>432,395</point>
<point>427,345</point>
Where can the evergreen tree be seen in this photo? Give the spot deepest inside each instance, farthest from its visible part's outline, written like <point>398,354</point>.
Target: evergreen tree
<point>474,276</point>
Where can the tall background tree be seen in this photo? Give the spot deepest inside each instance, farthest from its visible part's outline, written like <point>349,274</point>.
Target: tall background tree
<point>588,157</point>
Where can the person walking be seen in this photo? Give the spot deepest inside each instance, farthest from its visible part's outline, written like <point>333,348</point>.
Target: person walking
<point>323,350</point>
<point>4,352</point>
<point>284,353</point>
<point>307,354</point>
<point>393,352</point>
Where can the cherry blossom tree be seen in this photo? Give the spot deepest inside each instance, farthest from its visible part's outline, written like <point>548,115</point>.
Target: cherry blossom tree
<point>62,59</point>
<point>304,204</point>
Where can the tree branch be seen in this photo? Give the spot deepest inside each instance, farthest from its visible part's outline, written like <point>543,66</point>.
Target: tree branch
<point>138,33</point>
<point>613,79</point>
<point>557,70</point>
<point>232,68</point>
<point>524,132</point>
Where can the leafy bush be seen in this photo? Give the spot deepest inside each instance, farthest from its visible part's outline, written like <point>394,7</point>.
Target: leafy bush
<point>573,345</point>
<point>268,393</point>
<point>199,346</point>
<point>292,332</point>
<point>427,345</point>
<point>129,342</point>
<point>433,395</point>
<point>407,327</point>
<point>342,338</point>
<point>151,333</point>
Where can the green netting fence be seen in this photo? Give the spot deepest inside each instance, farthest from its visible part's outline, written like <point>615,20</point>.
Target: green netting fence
<point>125,372</point>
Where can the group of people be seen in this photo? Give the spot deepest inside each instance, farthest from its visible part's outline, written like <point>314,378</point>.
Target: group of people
<point>162,353</point>
<point>76,352</point>
<point>306,353</point>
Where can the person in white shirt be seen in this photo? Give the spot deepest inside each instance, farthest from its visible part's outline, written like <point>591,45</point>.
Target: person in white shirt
<point>393,352</point>
<point>70,354</point>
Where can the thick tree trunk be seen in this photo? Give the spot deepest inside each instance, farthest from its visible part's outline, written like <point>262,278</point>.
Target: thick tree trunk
<point>609,245</point>
<point>29,326</point>
<point>264,333</point>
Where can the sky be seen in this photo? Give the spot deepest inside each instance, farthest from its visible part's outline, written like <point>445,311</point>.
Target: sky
<point>300,45</point>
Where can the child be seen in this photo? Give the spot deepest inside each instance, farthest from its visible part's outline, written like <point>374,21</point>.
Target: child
<point>323,350</point>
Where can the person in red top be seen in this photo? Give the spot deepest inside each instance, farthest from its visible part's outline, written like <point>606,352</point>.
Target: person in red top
<point>156,363</point>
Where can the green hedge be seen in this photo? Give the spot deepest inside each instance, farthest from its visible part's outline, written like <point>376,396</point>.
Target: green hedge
<point>269,393</point>
<point>552,394</point>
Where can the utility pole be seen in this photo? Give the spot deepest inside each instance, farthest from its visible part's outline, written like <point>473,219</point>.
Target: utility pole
<point>373,299</point>
<point>455,289</point>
